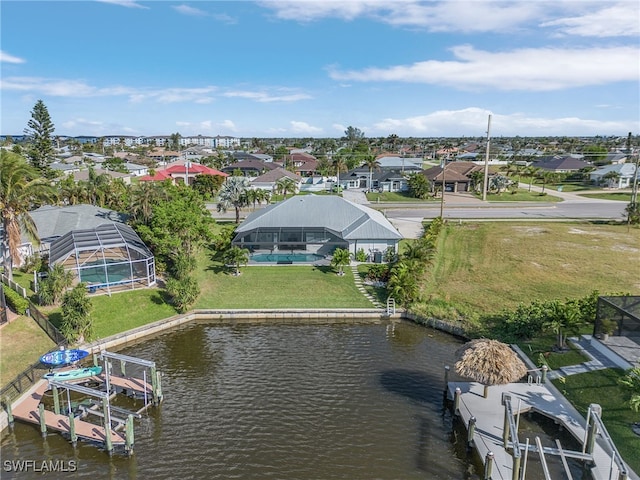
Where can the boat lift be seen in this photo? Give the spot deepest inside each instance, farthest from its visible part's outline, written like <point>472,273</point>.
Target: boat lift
<point>110,380</point>
<point>104,399</point>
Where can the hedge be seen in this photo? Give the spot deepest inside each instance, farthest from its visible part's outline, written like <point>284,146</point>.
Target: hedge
<point>15,301</point>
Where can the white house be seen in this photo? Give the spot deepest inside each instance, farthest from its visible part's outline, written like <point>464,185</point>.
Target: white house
<point>614,176</point>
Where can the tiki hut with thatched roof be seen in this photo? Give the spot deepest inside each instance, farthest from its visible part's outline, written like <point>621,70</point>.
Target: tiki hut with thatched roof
<point>489,362</point>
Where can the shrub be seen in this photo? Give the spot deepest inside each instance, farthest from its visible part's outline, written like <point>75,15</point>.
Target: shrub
<point>15,301</point>
<point>361,255</point>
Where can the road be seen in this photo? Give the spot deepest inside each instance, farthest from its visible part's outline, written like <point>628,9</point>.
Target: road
<point>407,218</point>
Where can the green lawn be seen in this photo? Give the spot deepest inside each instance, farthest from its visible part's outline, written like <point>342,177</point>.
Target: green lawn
<point>490,266</point>
<point>602,387</point>
<point>522,195</point>
<point>545,346</point>
<point>21,343</point>
<point>620,196</point>
<point>397,197</point>
<point>278,287</point>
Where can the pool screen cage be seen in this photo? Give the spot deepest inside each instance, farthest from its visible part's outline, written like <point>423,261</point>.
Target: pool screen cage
<point>108,258</point>
<point>623,312</point>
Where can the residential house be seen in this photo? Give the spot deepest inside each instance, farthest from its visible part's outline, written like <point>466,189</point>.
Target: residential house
<point>317,224</point>
<point>269,179</point>
<point>615,176</point>
<point>561,163</point>
<point>250,167</point>
<point>456,176</point>
<point>182,172</point>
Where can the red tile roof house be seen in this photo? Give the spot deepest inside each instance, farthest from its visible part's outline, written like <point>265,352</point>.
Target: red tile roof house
<point>179,172</point>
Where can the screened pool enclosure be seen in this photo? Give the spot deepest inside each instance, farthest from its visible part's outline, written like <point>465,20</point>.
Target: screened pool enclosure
<point>108,258</point>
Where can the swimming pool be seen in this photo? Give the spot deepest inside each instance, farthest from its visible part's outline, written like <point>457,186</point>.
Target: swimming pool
<point>285,257</point>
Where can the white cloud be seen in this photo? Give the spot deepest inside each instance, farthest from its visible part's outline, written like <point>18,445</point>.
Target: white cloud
<point>228,125</point>
<point>304,127</point>
<point>187,10</point>
<point>473,121</point>
<point>533,69</point>
<point>80,89</point>
<point>6,58</point>
<point>196,12</point>
<point>266,97</point>
<point>611,21</point>
<point>124,3</point>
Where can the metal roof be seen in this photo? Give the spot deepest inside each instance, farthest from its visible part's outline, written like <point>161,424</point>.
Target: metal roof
<point>347,219</point>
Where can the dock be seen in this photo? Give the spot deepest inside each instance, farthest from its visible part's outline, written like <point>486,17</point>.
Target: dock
<point>99,390</point>
<point>28,411</point>
<point>490,431</point>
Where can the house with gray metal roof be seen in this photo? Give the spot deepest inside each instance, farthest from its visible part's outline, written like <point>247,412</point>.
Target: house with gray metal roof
<point>316,224</point>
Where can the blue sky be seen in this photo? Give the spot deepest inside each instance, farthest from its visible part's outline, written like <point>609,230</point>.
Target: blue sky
<point>311,69</point>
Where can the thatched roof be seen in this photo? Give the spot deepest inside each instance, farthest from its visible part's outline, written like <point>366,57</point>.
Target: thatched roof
<point>489,362</point>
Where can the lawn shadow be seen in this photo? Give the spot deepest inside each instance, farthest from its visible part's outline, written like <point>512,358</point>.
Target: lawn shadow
<point>161,298</point>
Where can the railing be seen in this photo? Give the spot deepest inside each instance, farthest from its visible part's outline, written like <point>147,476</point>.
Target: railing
<point>22,383</point>
<point>13,285</point>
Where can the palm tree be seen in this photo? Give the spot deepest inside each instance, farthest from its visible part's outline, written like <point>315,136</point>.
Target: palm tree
<point>286,185</point>
<point>21,190</point>
<point>233,193</point>
<point>143,197</point>
<point>373,164</point>
<point>341,257</point>
<point>340,165</point>
<point>237,256</point>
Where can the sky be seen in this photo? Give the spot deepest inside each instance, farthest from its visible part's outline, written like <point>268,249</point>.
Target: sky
<point>313,68</point>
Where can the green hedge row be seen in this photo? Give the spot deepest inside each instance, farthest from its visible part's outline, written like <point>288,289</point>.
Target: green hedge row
<point>15,301</point>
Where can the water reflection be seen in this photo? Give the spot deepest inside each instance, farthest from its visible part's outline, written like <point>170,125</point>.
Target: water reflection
<point>285,402</point>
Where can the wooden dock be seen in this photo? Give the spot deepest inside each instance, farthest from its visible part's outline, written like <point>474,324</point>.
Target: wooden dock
<point>490,414</point>
<point>27,410</point>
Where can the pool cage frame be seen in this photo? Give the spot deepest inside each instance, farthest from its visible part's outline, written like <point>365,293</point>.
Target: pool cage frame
<point>113,252</point>
<point>623,310</point>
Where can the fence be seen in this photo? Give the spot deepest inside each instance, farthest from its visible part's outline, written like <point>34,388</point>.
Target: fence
<point>13,285</point>
<point>43,321</point>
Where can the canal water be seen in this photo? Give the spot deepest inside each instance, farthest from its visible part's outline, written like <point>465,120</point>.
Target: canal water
<point>347,401</point>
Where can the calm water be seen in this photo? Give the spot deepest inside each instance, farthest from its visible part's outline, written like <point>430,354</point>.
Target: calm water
<point>281,402</point>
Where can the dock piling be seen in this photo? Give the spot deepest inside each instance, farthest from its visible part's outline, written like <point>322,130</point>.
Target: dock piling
<point>456,404</point>
<point>545,369</point>
<point>471,430</point>
<point>72,428</point>
<point>488,466</point>
<point>7,406</point>
<point>129,435</point>
<point>43,421</point>
<point>56,400</point>
<point>592,427</point>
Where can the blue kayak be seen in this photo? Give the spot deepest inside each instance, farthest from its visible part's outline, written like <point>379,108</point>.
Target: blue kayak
<point>63,357</point>
<point>74,374</point>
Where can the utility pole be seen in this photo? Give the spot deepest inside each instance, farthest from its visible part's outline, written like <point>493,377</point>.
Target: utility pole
<point>486,162</point>
<point>633,206</point>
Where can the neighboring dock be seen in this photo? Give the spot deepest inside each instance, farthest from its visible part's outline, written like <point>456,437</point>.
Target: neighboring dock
<point>492,429</point>
<point>99,391</point>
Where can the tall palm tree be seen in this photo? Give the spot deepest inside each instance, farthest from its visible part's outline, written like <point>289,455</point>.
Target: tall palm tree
<point>340,165</point>
<point>21,189</point>
<point>233,193</point>
<point>373,164</point>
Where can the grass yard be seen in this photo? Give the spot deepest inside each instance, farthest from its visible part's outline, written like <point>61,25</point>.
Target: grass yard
<point>397,197</point>
<point>278,287</point>
<point>620,196</point>
<point>554,359</point>
<point>21,343</point>
<point>521,195</point>
<point>602,387</point>
<point>487,267</point>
